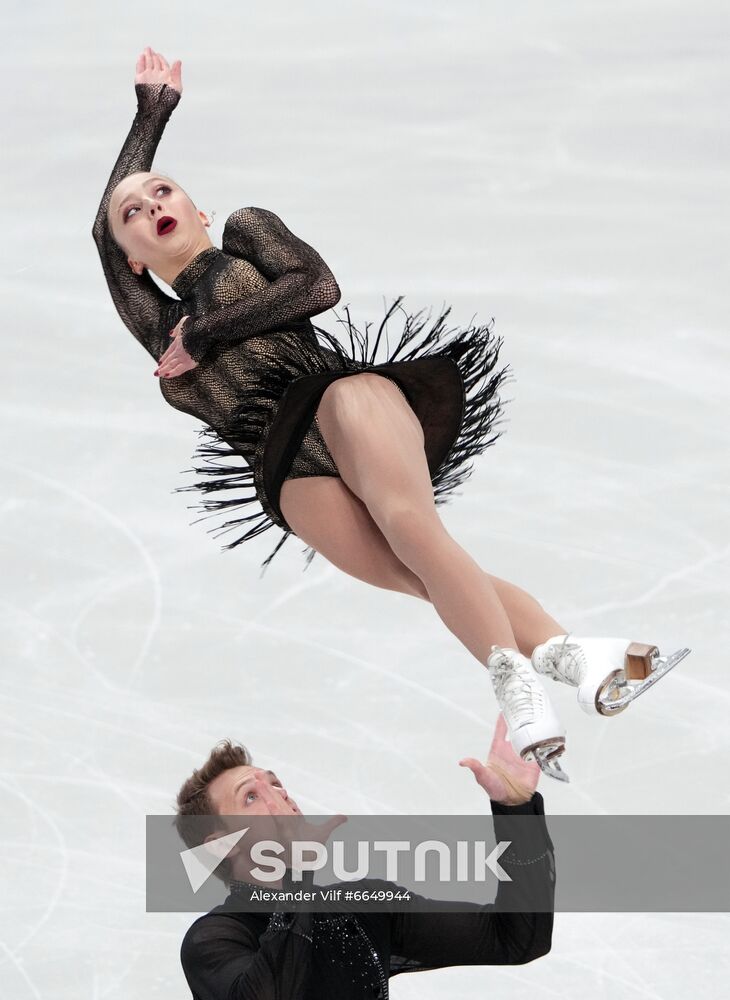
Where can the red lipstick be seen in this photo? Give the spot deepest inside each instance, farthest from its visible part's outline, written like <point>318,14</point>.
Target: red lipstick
<point>165,225</point>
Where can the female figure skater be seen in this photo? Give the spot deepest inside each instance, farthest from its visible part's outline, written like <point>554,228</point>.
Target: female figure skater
<point>350,455</point>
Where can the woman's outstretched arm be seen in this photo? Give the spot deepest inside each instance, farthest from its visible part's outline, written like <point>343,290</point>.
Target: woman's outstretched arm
<point>301,285</point>
<point>144,308</point>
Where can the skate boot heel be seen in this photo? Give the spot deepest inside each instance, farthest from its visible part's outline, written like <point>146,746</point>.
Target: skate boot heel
<point>644,665</point>
<point>639,660</point>
<point>609,673</point>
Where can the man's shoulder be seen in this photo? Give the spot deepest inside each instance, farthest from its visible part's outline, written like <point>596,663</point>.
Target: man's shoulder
<point>219,927</point>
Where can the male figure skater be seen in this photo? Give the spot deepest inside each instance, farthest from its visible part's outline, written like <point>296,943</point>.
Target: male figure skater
<point>277,955</point>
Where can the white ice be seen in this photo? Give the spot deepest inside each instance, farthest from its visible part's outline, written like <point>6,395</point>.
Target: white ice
<point>562,167</point>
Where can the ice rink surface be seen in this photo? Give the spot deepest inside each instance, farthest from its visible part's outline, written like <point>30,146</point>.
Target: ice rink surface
<point>562,168</point>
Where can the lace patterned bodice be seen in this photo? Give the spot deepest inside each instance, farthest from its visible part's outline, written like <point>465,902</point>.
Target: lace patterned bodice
<point>245,302</point>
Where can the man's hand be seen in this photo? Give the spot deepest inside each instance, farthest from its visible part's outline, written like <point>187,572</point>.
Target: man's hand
<point>175,360</point>
<point>505,777</point>
<point>290,824</point>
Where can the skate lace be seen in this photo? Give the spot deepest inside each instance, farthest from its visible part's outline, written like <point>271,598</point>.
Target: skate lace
<point>516,695</point>
<point>566,660</point>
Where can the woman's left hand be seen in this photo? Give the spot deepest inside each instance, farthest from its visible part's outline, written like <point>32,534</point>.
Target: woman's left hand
<point>176,360</point>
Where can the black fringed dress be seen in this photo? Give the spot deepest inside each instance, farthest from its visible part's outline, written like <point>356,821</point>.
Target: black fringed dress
<point>263,366</point>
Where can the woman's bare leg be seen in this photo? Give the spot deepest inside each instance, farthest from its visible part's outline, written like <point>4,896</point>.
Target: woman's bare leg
<point>377,443</point>
<point>530,622</point>
<point>325,513</point>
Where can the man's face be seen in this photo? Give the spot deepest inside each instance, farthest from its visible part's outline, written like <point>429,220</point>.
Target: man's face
<point>234,792</point>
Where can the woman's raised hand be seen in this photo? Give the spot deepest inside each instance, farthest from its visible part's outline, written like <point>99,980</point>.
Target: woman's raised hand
<point>152,67</point>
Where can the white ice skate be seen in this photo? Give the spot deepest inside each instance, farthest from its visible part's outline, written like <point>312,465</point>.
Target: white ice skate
<point>534,729</point>
<point>609,673</point>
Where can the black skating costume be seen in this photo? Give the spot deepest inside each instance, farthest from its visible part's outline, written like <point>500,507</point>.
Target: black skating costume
<point>236,953</point>
<point>263,366</point>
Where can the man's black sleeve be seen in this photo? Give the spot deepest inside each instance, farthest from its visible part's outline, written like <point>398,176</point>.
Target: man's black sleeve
<point>223,959</point>
<point>481,934</point>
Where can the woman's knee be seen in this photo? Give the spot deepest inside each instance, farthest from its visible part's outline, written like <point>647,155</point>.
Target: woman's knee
<point>351,404</point>
<point>373,561</point>
<point>326,515</point>
<point>342,397</point>
<point>405,523</point>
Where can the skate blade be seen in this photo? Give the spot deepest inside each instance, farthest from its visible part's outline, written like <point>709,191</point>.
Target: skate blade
<point>620,692</point>
<point>546,755</point>
<point>551,767</point>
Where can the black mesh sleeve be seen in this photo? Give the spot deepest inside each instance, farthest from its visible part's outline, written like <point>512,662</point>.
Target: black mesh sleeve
<point>223,960</point>
<point>301,284</point>
<point>482,935</point>
<point>146,310</point>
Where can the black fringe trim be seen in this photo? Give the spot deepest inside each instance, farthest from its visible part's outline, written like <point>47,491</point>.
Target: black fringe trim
<point>475,350</point>
<point>221,476</point>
